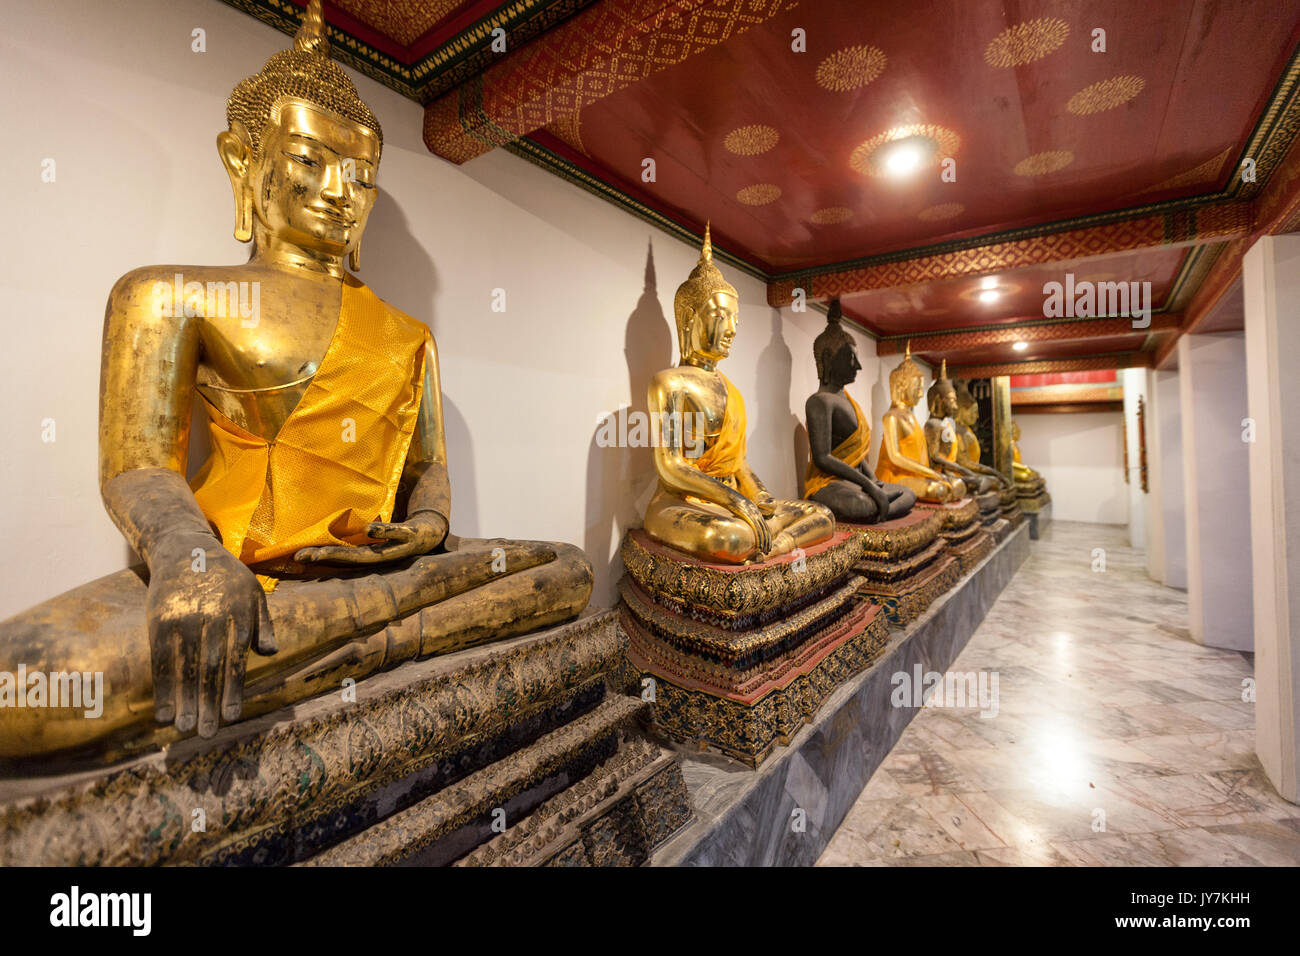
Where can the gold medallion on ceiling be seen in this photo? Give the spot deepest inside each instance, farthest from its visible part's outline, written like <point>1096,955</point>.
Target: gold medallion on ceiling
<point>760,194</point>
<point>751,140</point>
<point>1105,95</point>
<point>1040,164</point>
<point>831,215</point>
<point>945,210</point>
<point>1026,42</point>
<point>936,142</point>
<point>850,68</point>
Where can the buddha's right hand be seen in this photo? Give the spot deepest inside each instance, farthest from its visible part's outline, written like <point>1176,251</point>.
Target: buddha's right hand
<point>750,514</point>
<point>204,610</point>
<point>876,492</point>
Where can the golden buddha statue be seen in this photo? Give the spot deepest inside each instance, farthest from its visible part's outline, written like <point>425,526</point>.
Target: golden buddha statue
<point>968,445</point>
<point>904,457</point>
<point>839,437</point>
<point>709,503</point>
<point>941,436</point>
<point>1022,472</point>
<point>316,534</point>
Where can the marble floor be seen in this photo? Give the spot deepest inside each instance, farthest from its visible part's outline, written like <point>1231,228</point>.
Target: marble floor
<point>1109,739</point>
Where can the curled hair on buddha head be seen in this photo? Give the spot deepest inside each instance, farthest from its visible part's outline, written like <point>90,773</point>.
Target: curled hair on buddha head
<point>830,340</point>
<point>940,386</point>
<point>906,372</point>
<point>704,282</point>
<point>304,72</point>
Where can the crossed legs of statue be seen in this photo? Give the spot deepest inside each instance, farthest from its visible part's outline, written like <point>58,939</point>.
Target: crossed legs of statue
<point>718,535</point>
<point>349,624</point>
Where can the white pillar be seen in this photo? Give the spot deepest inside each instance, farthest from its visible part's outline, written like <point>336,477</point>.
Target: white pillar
<point>1216,480</point>
<point>1271,283</point>
<point>1165,442</point>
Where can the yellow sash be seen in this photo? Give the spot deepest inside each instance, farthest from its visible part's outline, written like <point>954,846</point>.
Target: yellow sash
<point>722,459</point>
<point>913,447</point>
<point>335,464</point>
<point>851,451</point>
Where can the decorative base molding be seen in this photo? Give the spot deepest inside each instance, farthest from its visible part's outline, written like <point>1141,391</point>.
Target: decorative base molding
<point>442,741</point>
<point>742,817</point>
<point>742,656</point>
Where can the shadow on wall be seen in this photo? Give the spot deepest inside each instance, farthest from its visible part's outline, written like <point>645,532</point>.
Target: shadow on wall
<point>620,479</point>
<point>401,271</point>
<point>880,403</point>
<point>775,365</point>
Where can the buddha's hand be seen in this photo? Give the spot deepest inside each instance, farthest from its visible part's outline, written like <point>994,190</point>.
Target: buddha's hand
<point>204,609</point>
<point>418,534</point>
<point>752,516</point>
<point>876,492</point>
<point>766,505</point>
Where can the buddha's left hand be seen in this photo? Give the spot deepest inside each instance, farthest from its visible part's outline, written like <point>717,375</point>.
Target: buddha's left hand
<point>766,505</point>
<point>418,534</point>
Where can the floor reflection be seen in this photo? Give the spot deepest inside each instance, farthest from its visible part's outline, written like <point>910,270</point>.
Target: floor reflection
<point>1115,740</point>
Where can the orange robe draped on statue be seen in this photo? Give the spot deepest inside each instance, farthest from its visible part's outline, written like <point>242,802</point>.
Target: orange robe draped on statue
<point>336,462</point>
<point>851,451</point>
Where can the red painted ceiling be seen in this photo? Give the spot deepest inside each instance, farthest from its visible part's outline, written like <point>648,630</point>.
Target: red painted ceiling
<point>955,303</point>
<point>1196,74</point>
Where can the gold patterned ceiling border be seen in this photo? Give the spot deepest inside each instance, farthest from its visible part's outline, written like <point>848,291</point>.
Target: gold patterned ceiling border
<point>524,90</point>
<point>451,63</point>
<point>1220,222</point>
<point>1082,363</point>
<point>1042,330</point>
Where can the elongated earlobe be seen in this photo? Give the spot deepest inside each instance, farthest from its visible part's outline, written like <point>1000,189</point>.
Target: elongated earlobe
<point>243,215</point>
<point>354,258</point>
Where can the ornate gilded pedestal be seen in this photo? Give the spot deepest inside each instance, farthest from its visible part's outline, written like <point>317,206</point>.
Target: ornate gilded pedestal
<point>1010,507</point>
<point>742,656</point>
<point>905,564</point>
<point>990,515</point>
<point>1032,495</point>
<point>967,540</point>
<point>426,764</point>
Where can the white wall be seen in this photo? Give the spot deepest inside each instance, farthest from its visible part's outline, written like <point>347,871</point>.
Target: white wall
<point>1080,455</point>
<point>113,93</point>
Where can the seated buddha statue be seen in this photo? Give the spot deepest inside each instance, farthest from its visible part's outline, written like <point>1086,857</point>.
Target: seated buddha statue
<point>709,503</point>
<point>968,445</point>
<point>839,437</point>
<point>313,544</point>
<point>904,457</point>
<point>1020,471</point>
<point>941,435</point>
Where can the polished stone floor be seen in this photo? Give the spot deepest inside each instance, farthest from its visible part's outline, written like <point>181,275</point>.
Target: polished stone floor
<point>1112,740</point>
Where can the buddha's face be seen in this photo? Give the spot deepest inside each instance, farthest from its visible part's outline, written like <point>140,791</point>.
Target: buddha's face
<point>714,327</point>
<point>843,366</point>
<point>967,414</point>
<point>313,182</point>
<point>908,390</point>
<point>943,401</point>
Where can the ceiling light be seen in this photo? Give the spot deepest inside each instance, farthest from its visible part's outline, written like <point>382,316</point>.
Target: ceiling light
<point>1020,346</point>
<point>903,159</point>
<point>989,282</point>
<point>989,295</point>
